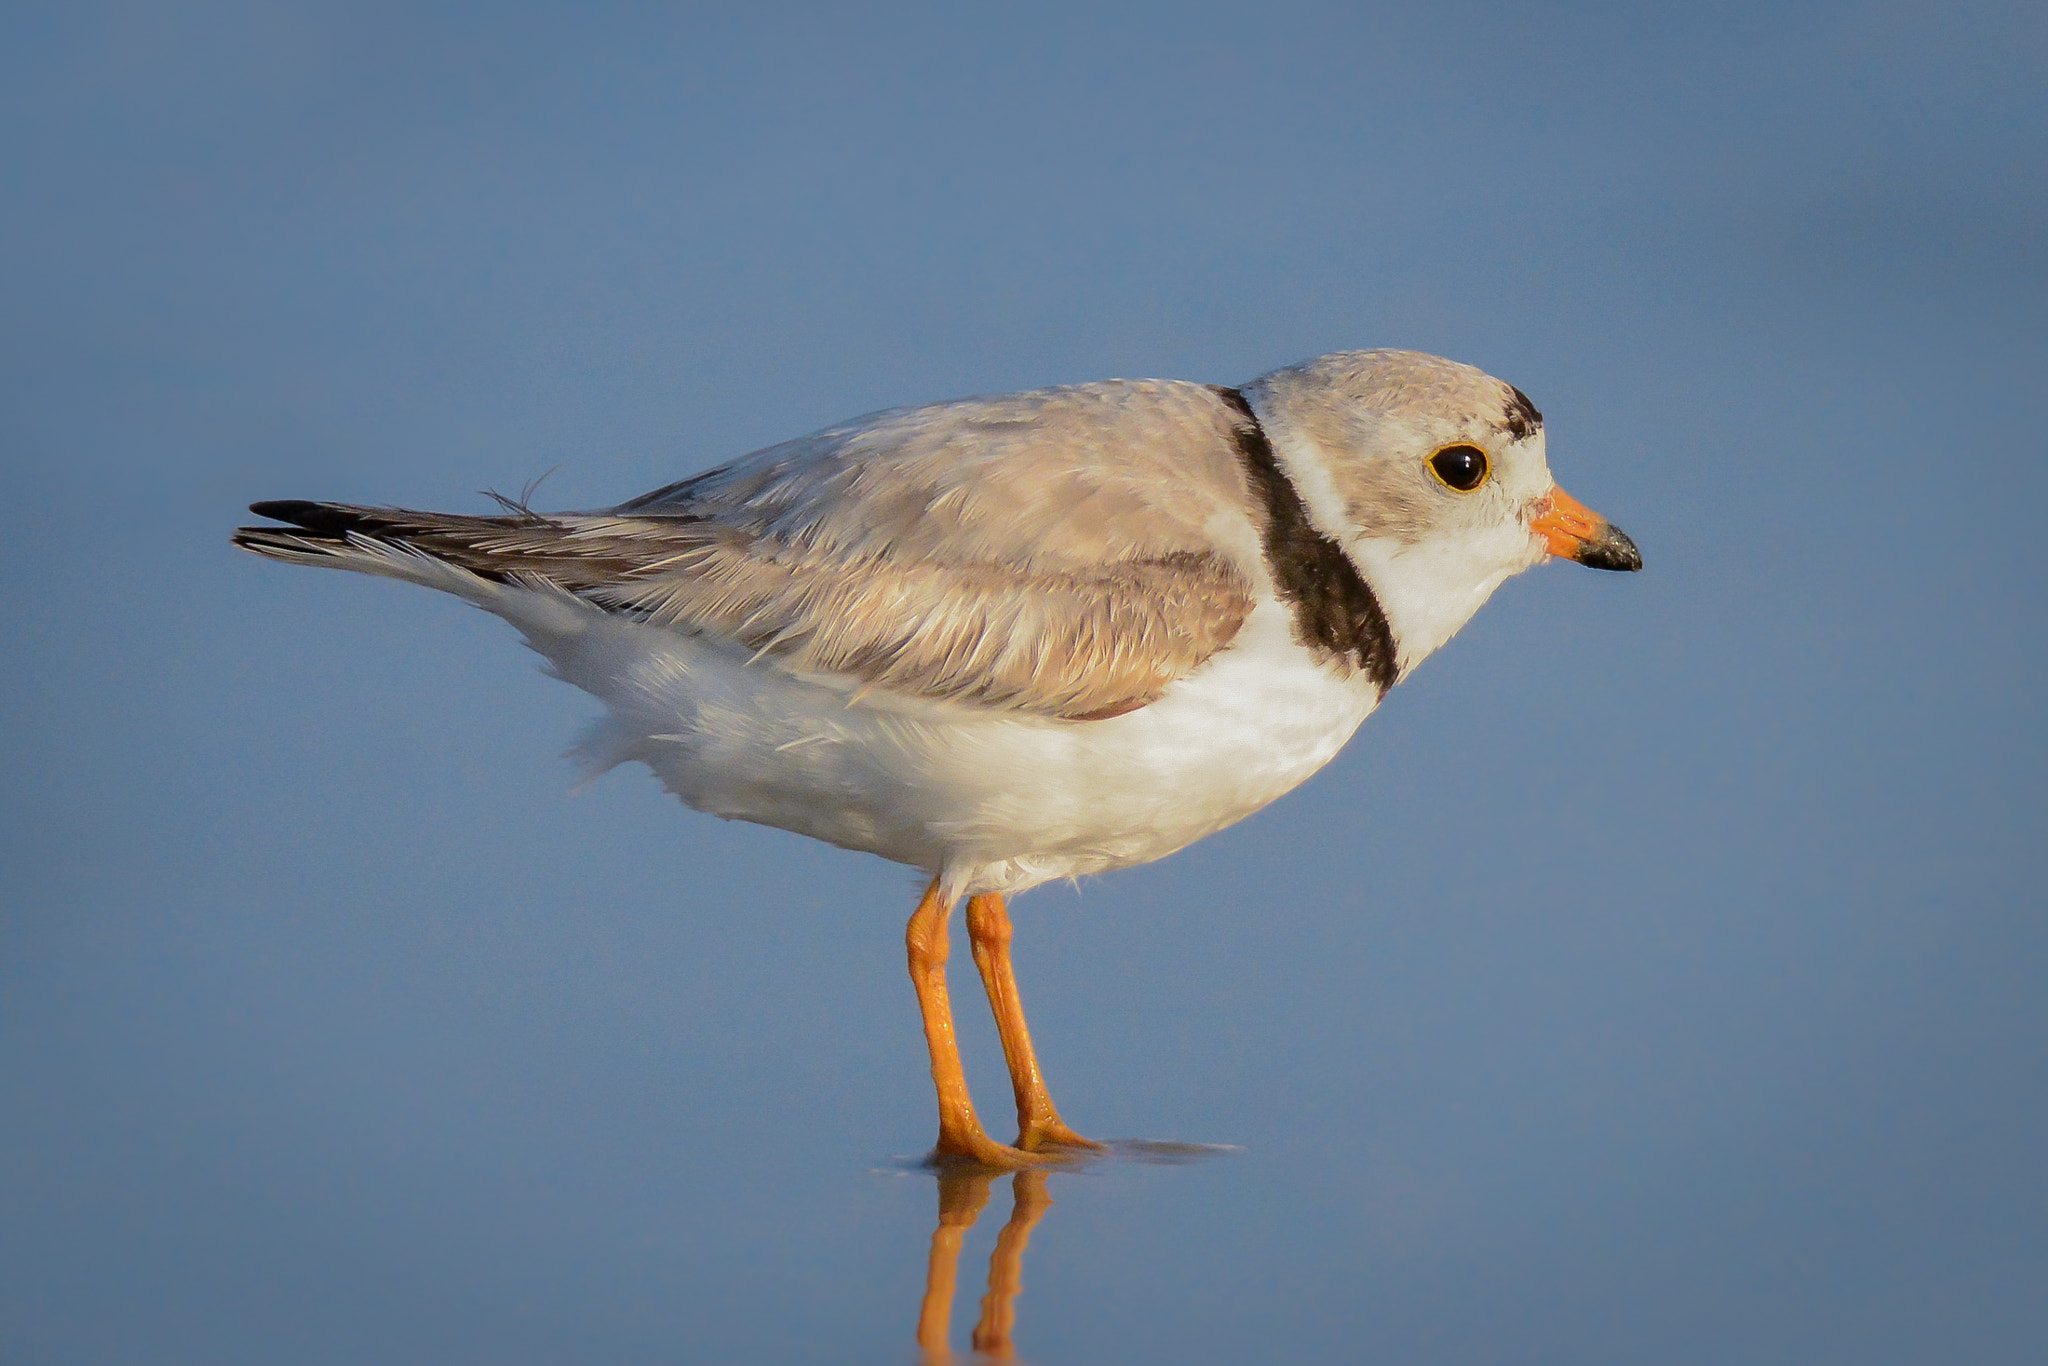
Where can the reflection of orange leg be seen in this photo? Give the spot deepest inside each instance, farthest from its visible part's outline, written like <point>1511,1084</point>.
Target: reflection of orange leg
<point>960,1133</point>
<point>1028,1204</point>
<point>962,1194</point>
<point>1038,1124</point>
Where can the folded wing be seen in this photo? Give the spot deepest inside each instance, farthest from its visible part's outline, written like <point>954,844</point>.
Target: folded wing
<point>1054,553</point>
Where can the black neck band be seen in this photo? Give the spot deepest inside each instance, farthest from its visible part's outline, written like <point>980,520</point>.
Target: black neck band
<point>1335,612</point>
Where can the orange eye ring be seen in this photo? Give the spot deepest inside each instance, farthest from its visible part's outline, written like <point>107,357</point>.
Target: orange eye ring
<point>1461,467</point>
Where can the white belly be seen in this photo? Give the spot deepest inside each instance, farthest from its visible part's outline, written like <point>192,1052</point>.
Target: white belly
<point>992,801</point>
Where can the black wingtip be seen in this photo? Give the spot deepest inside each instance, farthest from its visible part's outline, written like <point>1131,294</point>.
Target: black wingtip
<point>285,509</point>
<point>322,519</point>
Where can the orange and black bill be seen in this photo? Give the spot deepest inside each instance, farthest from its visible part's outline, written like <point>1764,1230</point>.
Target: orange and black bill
<point>1576,532</point>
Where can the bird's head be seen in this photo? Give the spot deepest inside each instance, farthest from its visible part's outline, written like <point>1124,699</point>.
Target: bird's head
<point>1432,476</point>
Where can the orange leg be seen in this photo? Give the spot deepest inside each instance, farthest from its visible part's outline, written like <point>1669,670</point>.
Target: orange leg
<point>1038,1124</point>
<point>960,1133</point>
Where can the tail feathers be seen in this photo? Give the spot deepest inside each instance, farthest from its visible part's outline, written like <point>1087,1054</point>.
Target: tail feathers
<point>456,554</point>
<point>339,531</point>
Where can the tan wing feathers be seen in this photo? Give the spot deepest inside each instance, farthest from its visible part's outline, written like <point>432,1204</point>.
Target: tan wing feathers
<point>1055,553</point>
<point>1083,475</point>
<point>1063,644</point>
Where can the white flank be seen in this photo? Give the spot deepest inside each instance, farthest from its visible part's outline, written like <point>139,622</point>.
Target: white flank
<point>994,801</point>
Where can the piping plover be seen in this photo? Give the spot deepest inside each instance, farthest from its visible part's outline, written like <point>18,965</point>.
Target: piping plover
<point>1010,639</point>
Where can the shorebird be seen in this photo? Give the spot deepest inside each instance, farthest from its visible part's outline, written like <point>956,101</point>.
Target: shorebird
<point>1010,639</point>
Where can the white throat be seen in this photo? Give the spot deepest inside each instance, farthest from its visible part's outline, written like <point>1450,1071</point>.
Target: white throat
<point>1431,589</point>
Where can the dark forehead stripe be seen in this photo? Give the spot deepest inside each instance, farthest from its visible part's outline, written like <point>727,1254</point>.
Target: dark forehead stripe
<point>1522,420</point>
<point>1335,612</point>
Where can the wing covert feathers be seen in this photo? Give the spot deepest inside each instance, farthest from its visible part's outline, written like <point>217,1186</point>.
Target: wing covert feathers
<point>1023,552</point>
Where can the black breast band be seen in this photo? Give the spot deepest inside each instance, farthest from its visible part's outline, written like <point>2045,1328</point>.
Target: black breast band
<point>1335,612</point>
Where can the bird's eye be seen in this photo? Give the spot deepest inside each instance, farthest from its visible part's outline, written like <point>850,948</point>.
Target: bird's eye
<point>1461,467</point>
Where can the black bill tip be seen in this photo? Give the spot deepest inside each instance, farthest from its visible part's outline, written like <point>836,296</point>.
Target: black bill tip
<point>1611,549</point>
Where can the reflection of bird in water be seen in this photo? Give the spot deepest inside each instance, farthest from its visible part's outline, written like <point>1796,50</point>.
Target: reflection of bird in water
<point>963,1194</point>
<point>1007,640</point>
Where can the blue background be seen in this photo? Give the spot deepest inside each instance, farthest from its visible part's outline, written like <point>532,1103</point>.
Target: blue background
<point>1658,977</point>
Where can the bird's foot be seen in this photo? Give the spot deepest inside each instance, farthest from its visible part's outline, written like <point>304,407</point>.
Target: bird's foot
<point>1052,1135</point>
<point>977,1149</point>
